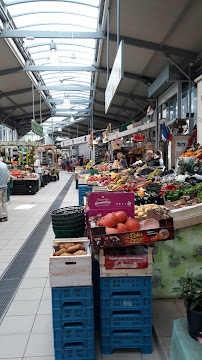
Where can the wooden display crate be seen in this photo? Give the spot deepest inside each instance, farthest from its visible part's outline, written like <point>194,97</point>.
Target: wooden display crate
<point>71,270</point>
<point>123,272</point>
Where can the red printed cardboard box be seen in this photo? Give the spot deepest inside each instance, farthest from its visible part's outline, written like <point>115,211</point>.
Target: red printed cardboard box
<point>102,204</point>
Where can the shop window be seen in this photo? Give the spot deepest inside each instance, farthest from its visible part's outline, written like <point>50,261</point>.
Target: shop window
<point>1,133</point>
<point>184,104</point>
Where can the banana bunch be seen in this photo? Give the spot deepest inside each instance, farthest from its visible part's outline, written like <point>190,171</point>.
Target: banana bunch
<point>120,182</point>
<point>115,187</point>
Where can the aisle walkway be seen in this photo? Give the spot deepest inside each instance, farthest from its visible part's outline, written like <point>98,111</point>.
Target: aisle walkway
<point>26,329</point>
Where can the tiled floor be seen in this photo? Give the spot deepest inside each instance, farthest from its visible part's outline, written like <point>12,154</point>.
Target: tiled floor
<point>26,330</point>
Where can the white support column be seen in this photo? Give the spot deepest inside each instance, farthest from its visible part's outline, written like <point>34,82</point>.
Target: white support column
<point>199,109</point>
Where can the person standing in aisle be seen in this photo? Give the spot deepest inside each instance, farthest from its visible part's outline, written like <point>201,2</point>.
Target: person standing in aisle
<point>121,160</point>
<point>4,177</point>
<point>37,169</point>
<point>73,159</point>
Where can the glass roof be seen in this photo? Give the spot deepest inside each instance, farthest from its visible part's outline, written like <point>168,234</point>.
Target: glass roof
<point>61,15</point>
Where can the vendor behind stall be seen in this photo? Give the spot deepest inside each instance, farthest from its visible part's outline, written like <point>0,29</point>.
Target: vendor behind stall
<point>122,160</point>
<point>150,160</point>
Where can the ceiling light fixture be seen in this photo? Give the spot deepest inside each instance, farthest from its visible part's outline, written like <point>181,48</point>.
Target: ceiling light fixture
<point>71,119</point>
<point>53,58</point>
<point>59,129</point>
<point>67,101</point>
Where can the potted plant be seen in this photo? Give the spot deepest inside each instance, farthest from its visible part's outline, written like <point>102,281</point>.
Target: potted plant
<point>190,290</point>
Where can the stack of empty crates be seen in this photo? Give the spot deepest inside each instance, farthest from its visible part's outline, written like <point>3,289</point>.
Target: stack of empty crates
<point>72,304</point>
<point>125,308</point>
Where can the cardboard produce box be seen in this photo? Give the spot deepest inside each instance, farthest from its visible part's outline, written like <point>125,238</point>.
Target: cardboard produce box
<point>165,231</point>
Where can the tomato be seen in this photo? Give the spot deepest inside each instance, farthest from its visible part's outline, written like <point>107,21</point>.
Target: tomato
<point>132,224</point>
<point>121,216</point>
<point>121,228</point>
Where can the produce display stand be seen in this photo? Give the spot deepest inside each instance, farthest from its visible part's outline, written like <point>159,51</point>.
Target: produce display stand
<point>25,186</point>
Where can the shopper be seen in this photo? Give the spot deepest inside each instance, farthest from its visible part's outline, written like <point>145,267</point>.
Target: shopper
<point>121,160</point>
<point>67,163</point>
<point>81,161</point>
<point>73,160</point>
<point>60,163</point>
<point>157,156</point>
<point>1,157</point>
<point>37,166</point>
<point>4,177</point>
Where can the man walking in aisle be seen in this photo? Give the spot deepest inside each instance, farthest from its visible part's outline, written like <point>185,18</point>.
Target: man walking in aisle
<point>4,176</point>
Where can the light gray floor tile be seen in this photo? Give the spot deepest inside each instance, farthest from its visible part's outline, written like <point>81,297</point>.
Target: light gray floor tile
<point>39,358</point>
<point>165,306</point>
<point>165,340</point>
<point>123,354</point>
<point>37,273</point>
<point>180,305</point>
<point>164,324</point>
<point>45,307</point>
<point>43,324</point>
<point>40,345</point>
<point>29,283</point>
<point>29,294</point>
<point>23,308</point>
<point>13,346</point>
<point>153,356</point>
<point>13,325</point>
<point>46,294</point>
<point>40,264</point>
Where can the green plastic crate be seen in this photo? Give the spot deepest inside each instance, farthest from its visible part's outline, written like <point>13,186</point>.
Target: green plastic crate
<point>69,233</point>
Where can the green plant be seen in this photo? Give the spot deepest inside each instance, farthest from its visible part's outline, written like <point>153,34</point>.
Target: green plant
<point>190,290</point>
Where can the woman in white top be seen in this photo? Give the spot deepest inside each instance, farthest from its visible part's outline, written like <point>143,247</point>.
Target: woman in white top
<point>37,167</point>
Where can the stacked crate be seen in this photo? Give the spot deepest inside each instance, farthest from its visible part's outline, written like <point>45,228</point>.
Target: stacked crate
<point>72,304</point>
<point>83,189</point>
<point>125,308</point>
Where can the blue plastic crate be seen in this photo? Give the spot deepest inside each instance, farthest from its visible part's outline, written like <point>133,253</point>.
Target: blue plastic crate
<point>126,340</point>
<point>72,313</point>
<point>126,302</point>
<point>112,285</point>
<point>73,334</point>
<point>145,330</point>
<point>77,295</point>
<point>83,189</point>
<point>69,344</point>
<point>75,353</point>
<point>125,321</point>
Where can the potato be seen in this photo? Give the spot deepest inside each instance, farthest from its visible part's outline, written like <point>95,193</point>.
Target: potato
<point>80,252</point>
<point>66,254</point>
<point>66,245</point>
<point>140,214</point>
<point>75,248</point>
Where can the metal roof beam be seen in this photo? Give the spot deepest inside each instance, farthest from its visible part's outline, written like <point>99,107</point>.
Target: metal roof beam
<point>15,92</point>
<point>65,88</point>
<point>117,106</point>
<point>69,115</point>
<point>110,114</point>
<point>59,68</point>
<point>10,71</point>
<point>21,105</point>
<point>169,50</point>
<point>122,94</point>
<point>145,79</point>
<point>112,121</point>
<point>30,115</point>
<point>51,34</point>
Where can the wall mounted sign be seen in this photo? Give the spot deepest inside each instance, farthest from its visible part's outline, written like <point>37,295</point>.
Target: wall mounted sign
<point>116,76</point>
<point>37,128</point>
